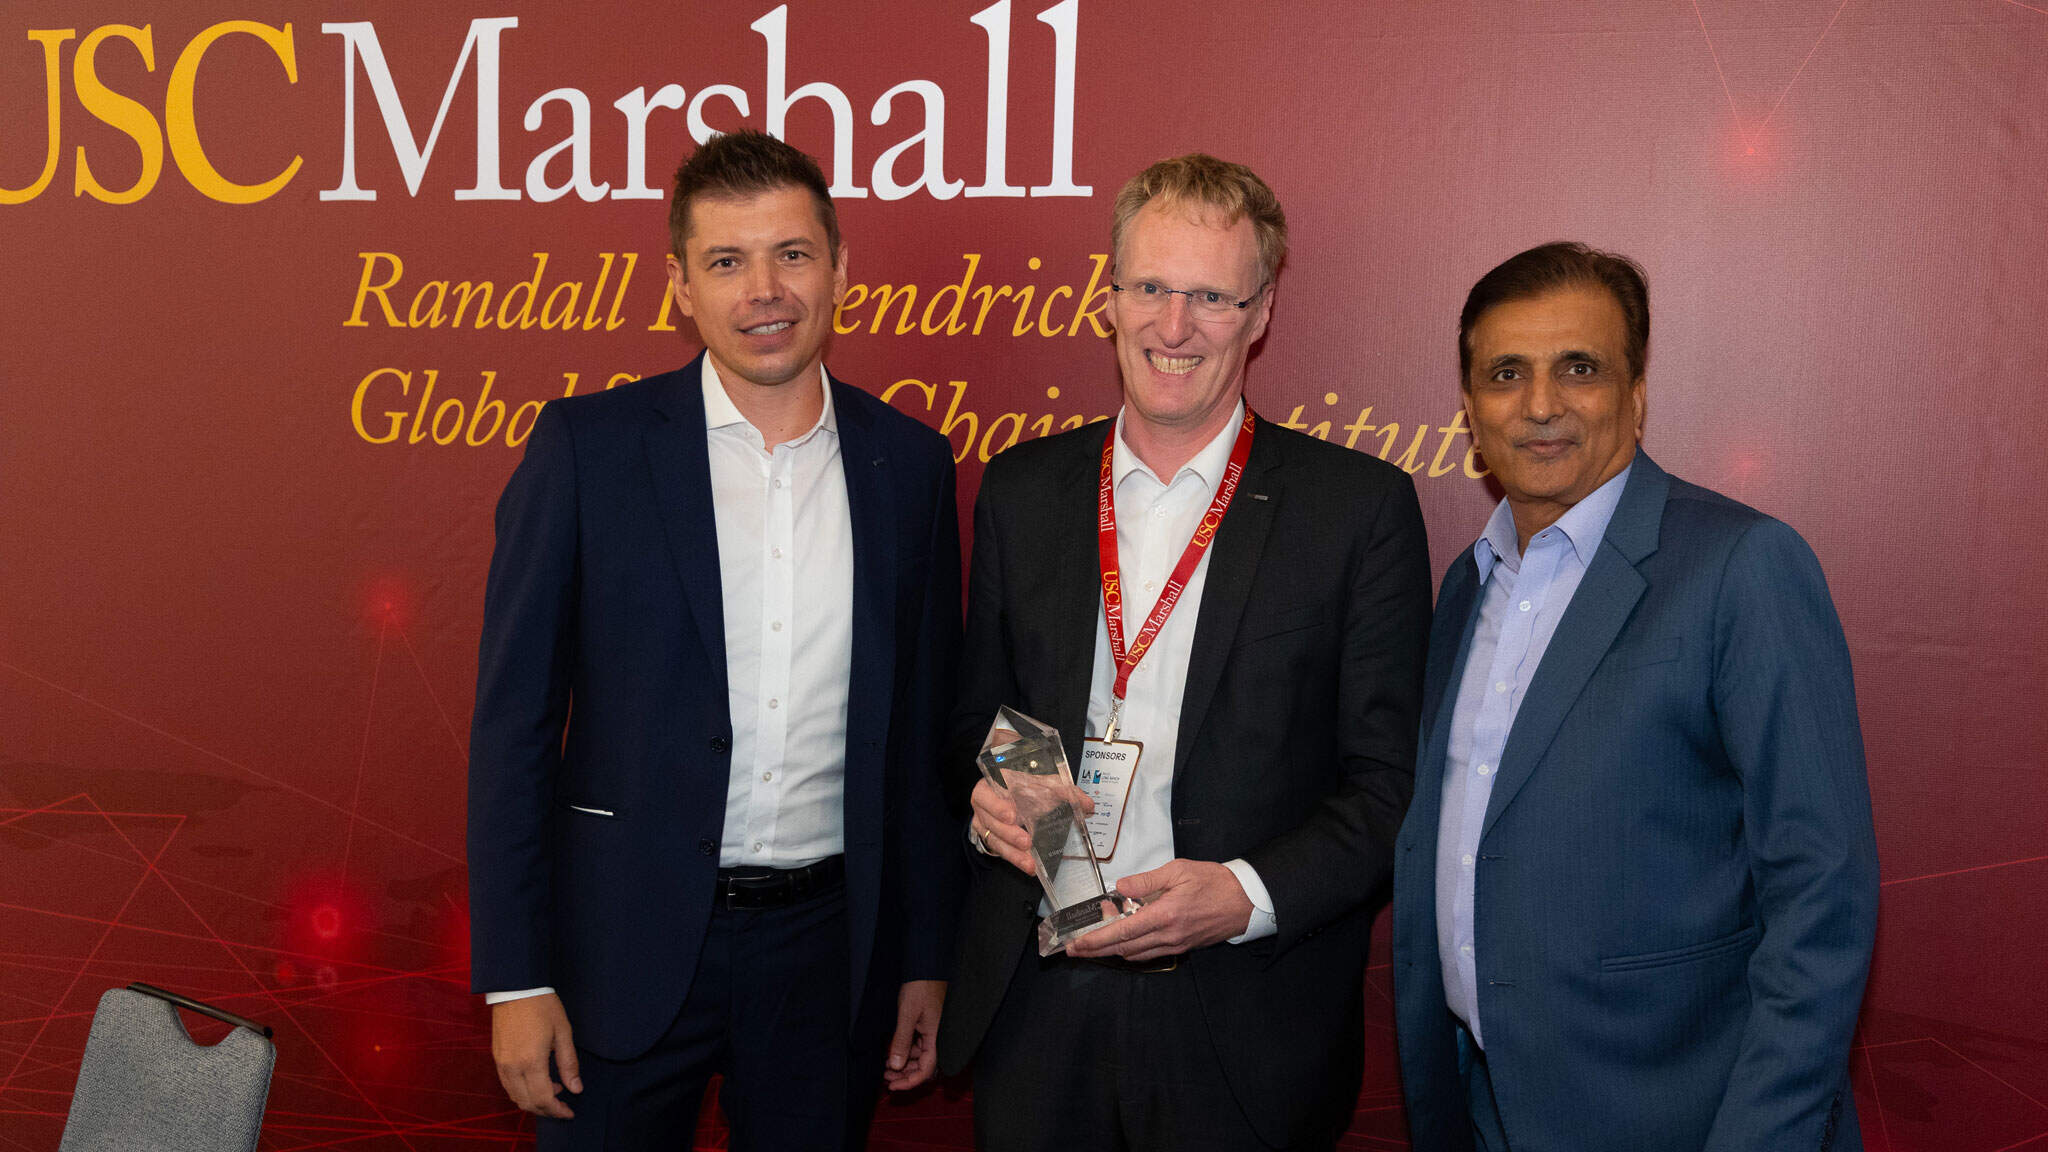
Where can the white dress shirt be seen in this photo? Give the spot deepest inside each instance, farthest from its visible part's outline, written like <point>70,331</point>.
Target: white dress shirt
<point>785,570</point>
<point>1524,596</point>
<point>1155,519</point>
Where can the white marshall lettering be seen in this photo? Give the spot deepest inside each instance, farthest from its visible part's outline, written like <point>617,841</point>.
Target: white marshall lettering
<point>577,145</point>
<point>922,111</point>
<point>359,41</point>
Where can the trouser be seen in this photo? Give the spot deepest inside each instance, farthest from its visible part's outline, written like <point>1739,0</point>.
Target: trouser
<point>768,1010</point>
<point>1084,1057</point>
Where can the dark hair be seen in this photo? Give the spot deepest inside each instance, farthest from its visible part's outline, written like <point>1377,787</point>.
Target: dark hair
<point>1548,268</point>
<point>746,163</point>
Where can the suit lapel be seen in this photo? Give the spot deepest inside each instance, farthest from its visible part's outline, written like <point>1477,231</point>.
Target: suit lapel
<point>1450,645</point>
<point>1076,601</point>
<point>1233,562</point>
<point>680,465</point>
<point>865,462</point>
<point>864,459</point>
<point>1600,607</point>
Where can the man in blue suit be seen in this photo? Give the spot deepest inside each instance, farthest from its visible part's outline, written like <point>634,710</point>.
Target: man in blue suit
<point>706,834</point>
<point>1636,893</point>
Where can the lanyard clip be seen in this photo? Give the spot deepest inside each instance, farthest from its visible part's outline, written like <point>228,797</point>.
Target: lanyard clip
<point>1116,715</point>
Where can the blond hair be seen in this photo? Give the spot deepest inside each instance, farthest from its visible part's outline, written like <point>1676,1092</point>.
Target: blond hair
<point>1198,182</point>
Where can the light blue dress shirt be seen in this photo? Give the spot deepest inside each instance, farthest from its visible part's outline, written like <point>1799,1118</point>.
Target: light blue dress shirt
<point>1524,596</point>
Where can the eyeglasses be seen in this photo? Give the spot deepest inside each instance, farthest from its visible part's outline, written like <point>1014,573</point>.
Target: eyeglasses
<point>1208,303</point>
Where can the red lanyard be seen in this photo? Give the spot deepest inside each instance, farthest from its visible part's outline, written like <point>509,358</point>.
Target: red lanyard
<point>1112,581</point>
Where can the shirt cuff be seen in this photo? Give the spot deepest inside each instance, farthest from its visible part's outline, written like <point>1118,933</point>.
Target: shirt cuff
<point>502,997</point>
<point>1262,923</point>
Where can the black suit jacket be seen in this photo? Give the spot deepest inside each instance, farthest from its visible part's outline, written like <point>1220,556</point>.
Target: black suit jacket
<point>601,685</point>
<point>1297,736</point>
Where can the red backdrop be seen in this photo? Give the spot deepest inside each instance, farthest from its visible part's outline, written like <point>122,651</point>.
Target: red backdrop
<point>242,574</point>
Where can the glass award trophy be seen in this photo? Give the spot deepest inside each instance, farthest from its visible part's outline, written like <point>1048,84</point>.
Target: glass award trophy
<point>1023,757</point>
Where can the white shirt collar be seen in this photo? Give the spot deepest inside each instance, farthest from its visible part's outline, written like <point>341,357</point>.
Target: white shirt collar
<point>1207,465</point>
<point>721,412</point>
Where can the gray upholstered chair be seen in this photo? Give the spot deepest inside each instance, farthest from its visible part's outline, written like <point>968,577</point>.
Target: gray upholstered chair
<point>145,1085</point>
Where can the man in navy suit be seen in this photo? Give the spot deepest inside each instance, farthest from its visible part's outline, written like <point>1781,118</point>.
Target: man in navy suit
<point>706,833</point>
<point>1636,893</point>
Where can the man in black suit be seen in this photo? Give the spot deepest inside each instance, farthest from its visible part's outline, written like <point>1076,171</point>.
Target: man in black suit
<point>705,825</point>
<point>1271,711</point>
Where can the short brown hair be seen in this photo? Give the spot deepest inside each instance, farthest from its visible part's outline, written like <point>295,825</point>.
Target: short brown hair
<point>1548,268</point>
<point>1200,181</point>
<point>746,163</point>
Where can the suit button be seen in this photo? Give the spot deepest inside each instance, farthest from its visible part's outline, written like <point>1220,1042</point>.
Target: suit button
<point>707,846</point>
<point>720,744</point>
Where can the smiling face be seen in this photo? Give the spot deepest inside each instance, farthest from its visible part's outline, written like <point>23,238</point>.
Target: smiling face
<point>759,277</point>
<point>1553,404</point>
<point>1182,373</point>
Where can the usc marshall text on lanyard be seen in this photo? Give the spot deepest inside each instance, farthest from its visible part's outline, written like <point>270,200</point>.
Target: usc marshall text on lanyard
<point>1112,583</point>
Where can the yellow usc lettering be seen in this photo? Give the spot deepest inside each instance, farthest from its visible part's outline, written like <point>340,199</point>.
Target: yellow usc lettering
<point>134,119</point>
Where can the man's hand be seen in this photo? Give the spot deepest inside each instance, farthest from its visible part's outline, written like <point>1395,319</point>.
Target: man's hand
<point>1188,904</point>
<point>524,1033</point>
<point>995,821</point>
<point>914,1051</point>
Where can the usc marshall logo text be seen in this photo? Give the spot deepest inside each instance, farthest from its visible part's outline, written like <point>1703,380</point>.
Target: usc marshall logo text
<point>569,164</point>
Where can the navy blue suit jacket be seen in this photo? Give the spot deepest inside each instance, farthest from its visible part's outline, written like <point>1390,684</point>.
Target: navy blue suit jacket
<point>1676,892</point>
<point>601,684</point>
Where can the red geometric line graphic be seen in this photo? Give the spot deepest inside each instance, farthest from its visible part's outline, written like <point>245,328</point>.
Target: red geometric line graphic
<point>236,765</point>
<point>1802,67</point>
<point>461,751</point>
<point>97,944</point>
<point>363,753</point>
<point>2044,12</point>
<point>1884,1124</point>
<point>1961,871</point>
<point>2042,1135</point>
<point>304,1033</point>
<point>1750,135</point>
<point>180,877</point>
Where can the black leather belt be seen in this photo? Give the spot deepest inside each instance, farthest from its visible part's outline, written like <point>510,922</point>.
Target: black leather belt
<point>756,889</point>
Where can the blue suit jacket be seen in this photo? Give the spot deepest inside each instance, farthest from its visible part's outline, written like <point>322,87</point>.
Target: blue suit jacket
<point>601,684</point>
<point>1676,891</point>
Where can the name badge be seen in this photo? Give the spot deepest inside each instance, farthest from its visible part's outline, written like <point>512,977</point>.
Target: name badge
<point>1107,769</point>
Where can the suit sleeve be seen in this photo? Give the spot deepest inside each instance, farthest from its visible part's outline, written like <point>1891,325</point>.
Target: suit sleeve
<point>1344,853</point>
<point>522,707</point>
<point>987,681</point>
<point>1786,705</point>
<point>934,874</point>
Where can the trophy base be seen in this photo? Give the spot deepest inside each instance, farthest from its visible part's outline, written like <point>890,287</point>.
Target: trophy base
<point>1071,923</point>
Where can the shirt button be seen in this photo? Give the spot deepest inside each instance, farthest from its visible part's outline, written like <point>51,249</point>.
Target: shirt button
<point>1151,585</point>
<point>1498,685</point>
<point>774,702</point>
<point>1463,949</point>
<point>1524,605</point>
<point>1466,859</point>
<point>1486,769</point>
<point>771,776</point>
<point>775,627</point>
<point>778,481</point>
<point>777,553</point>
<point>757,848</point>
